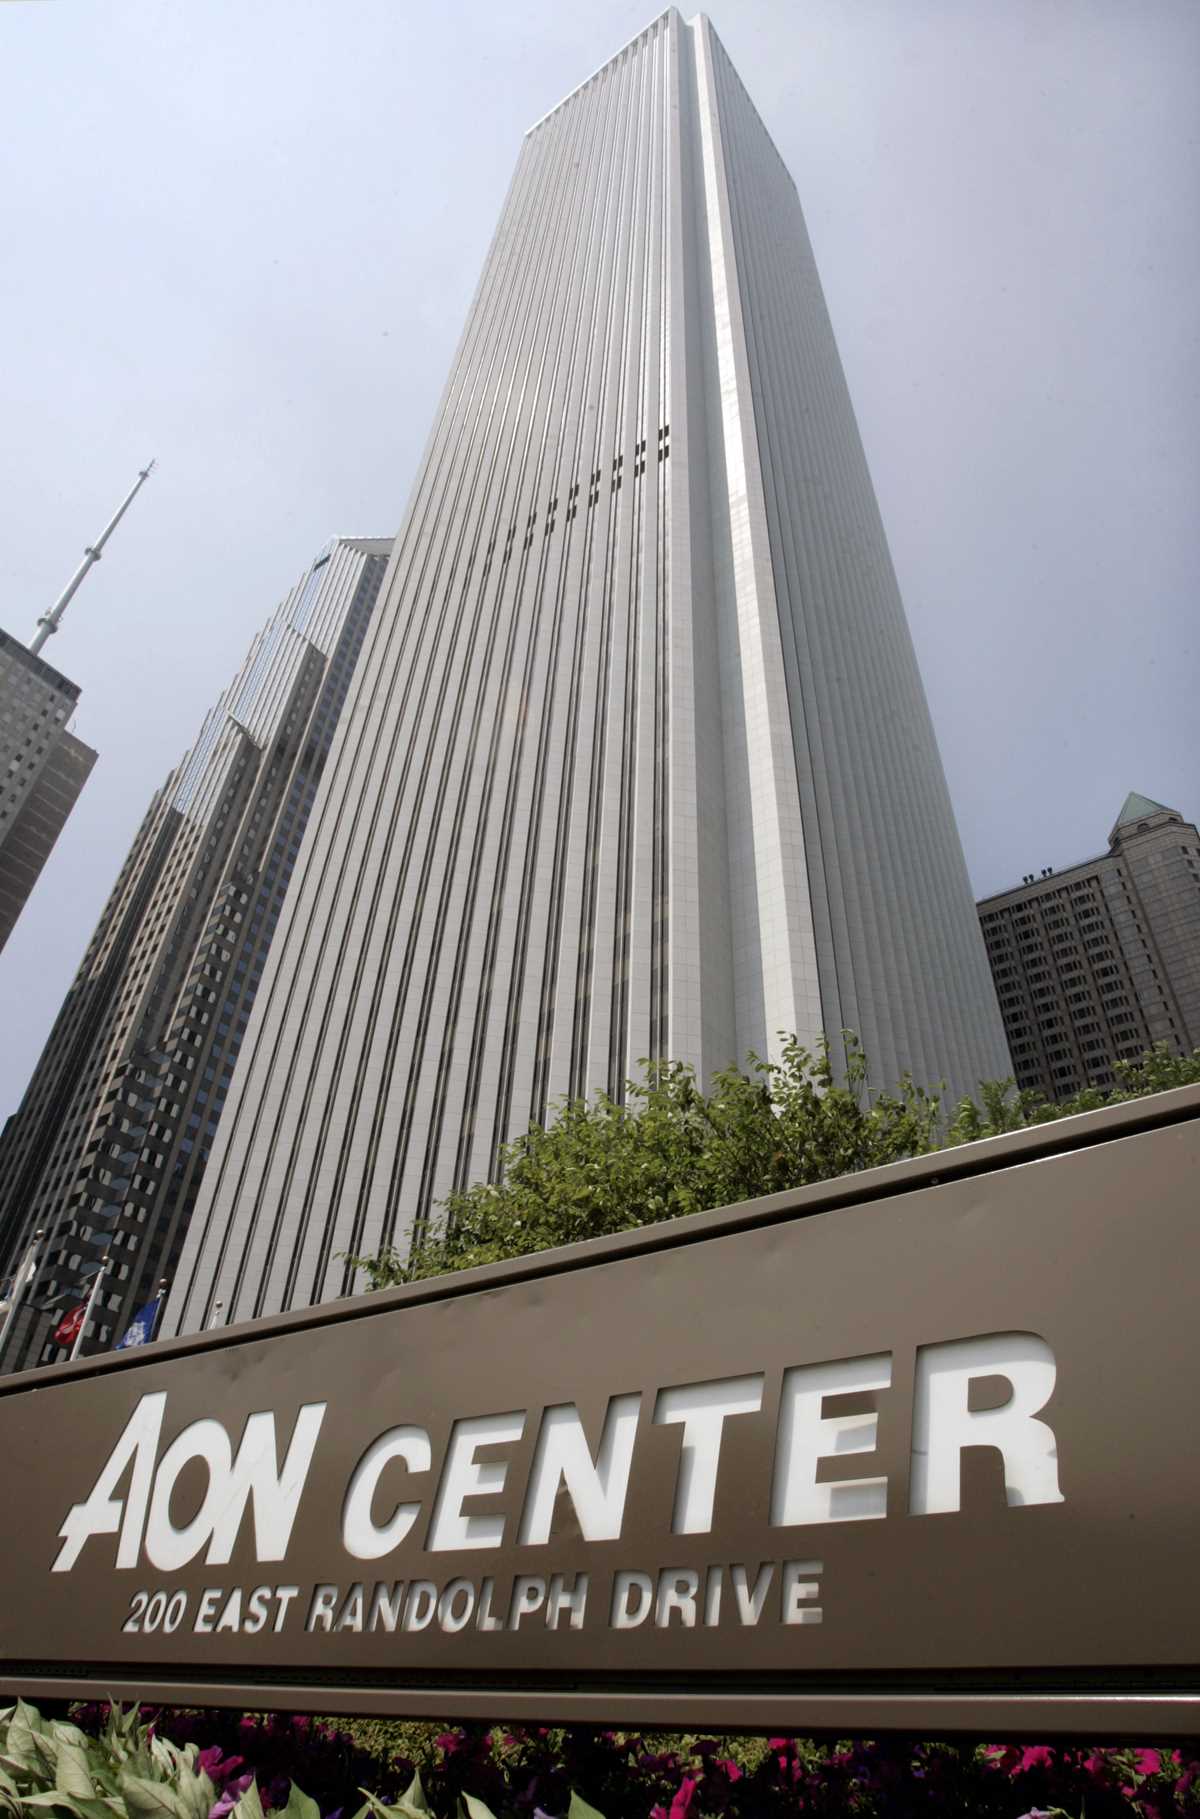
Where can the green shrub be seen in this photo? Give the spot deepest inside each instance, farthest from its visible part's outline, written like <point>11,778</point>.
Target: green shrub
<point>670,1148</point>
<point>124,1771</point>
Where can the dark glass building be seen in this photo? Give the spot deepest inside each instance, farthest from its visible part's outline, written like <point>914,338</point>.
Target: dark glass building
<point>108,1148</point>
<point>43,767</point>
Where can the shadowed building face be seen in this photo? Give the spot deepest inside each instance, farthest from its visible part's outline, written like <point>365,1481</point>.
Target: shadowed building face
<point>42,770</point>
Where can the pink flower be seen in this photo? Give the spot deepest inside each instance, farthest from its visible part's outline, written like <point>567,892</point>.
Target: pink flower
<point>1003,1756</point>
<point>1147,1762</point>
<point>229,1799</point>
<point>730,1767</point>
<point>681,1806</point>
<point>218,1767</point>
<point>1037,1757</point>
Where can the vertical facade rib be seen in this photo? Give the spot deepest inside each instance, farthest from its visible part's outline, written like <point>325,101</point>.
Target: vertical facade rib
<point>638,762</point>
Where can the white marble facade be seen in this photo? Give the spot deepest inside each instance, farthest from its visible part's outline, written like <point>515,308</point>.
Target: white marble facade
<point>638,760</point>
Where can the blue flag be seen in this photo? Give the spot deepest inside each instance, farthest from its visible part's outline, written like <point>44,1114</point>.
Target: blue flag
<point>141,1328</point>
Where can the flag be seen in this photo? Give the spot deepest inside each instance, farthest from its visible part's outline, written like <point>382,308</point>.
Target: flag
<point>67,1330</point>
<point>21,1279</point>
<point>46,1304</point>
<point>140,1329</point>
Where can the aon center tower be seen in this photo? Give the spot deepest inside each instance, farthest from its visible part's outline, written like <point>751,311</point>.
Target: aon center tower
<point>637,760</point>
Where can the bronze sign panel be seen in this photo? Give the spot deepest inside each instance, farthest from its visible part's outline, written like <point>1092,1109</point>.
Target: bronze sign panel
<point>924,1459</point>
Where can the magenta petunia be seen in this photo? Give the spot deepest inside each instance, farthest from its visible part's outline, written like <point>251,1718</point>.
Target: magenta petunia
<point>230,1797</point>
<point>681,1806</point>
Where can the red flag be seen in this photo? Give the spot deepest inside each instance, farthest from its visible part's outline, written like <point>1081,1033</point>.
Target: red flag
<point>67,1330</point>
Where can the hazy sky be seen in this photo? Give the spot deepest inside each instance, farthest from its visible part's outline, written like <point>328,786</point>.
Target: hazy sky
<point>242,238</point>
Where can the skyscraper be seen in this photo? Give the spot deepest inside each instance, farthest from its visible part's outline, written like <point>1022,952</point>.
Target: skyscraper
<point>639,761</point>
<point>43,767</point>
<point>108,1148</point>
<point>1096,963</point>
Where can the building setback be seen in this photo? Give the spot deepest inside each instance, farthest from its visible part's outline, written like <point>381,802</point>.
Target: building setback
<point>639,762</point>
<point>43,767</point>
<point>108,1148</point>
<point>1097,963</point>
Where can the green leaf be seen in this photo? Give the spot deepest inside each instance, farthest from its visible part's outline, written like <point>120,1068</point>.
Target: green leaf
<point>71,1774</point>
<point>579,1809</point>
<point>29,1716</point>
<point>250,1805</point>
<point>300,1806</point>
<point>19,1745</point>
<point>70,1733</point>
<point>52,1800</point>
<point>164,1754</point>
<point>83,1809</point>
<point>153,1799</point>
<point>413,1796</point>
<point>196,1789</point>
<point>373,1805</point>
<point>44,1749</point>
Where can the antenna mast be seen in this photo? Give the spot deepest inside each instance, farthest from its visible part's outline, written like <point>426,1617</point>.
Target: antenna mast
<point>49,622</point>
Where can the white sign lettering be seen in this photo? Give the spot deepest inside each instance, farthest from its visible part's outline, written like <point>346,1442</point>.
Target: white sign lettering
<point>988,1391</point>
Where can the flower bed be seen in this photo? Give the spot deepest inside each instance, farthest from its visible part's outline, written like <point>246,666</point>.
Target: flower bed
<point>543,1773</point>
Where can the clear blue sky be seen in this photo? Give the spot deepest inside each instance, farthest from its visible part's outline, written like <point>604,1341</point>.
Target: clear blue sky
<point>242,238</point>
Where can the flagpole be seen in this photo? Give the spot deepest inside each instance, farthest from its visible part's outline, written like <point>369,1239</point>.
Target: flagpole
<point>21,1281</point>
<point>91,1302</point>
<point>161,1302</point>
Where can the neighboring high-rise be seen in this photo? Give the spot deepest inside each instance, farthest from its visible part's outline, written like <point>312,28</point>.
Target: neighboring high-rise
<point>109,1145</point>
<point>43,767</point>
<point>1097,963</point>
<point>639,761</point>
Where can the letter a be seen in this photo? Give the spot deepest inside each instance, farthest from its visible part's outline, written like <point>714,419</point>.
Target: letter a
<point>101,1514</point>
